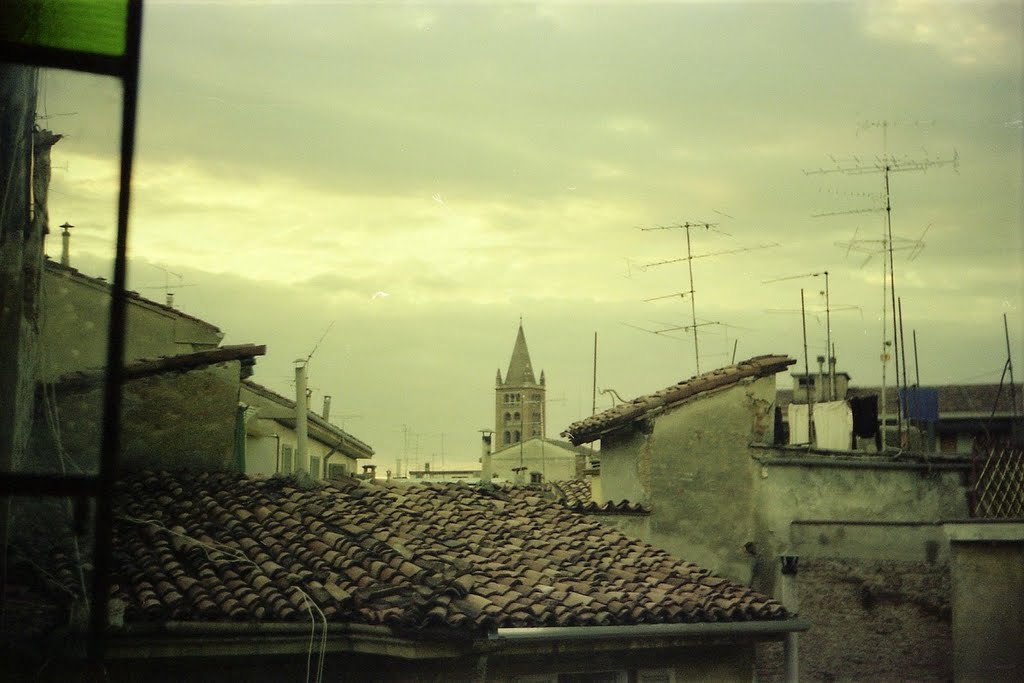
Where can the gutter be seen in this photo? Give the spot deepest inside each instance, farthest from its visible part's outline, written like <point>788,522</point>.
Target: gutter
<point>812,461</point>
<point>696,630</point>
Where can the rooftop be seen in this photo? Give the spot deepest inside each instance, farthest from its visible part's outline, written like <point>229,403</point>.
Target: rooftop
<point>73,273</point>
<point>953,398</point>
<point>595,426</point>
<point>364,449</point>
<point>577,495</point>
<point>200,547</point>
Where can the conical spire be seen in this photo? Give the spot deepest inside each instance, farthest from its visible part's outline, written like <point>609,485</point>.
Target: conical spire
<point>520,370</point>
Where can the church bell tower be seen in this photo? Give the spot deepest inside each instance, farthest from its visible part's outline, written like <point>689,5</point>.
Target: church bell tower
<point>519,400</point>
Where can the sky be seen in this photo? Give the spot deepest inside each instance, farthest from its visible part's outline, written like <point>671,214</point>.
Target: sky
<point>387,189</point>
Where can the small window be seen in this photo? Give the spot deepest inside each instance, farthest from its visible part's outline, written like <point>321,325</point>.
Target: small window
<point>508,417</point>
<point>536,477</point>
<point>315,469</point>
<point>336,470</point>
<point>515,437</point>
<point>516,417</point>
<point>287,457</point>
<point>508,437</point>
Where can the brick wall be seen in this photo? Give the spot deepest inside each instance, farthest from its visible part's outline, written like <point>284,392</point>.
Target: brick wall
<point>877,620</point>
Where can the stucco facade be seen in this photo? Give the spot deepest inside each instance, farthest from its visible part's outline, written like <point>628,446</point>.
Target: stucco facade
<point>540,457</point>
<point>76,311</point>
<point>692,467</point>
<point>271,441</point>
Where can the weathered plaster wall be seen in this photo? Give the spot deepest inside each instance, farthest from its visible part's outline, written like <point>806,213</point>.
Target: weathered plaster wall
<point>701,479</point>
<point>173,420</point>
<point>625,469</point>
<point>988,610</point>
<point>871,620</point>
<point>874,494</point>
<point>261,455</point>
<point>76,314</point>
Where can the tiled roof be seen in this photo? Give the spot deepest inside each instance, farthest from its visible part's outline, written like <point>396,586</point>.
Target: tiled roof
<point>576,494</point>
<point>594,427</point>
<point>223,547</point>
<point>953,398</point>
<point>246,353</point>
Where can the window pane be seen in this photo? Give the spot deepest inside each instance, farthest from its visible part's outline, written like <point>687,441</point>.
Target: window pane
<point>94,26</point>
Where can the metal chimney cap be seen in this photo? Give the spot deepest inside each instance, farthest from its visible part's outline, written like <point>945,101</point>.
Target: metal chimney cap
<point>67,226</point>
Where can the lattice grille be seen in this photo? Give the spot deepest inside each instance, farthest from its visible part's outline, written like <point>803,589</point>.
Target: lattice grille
<point>998,489</point>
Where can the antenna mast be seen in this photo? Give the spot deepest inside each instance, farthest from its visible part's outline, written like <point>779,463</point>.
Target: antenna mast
<point>689,258</point>
<point>886,164</point>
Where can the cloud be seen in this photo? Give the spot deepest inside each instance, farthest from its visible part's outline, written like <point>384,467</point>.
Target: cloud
<point>966,33</point>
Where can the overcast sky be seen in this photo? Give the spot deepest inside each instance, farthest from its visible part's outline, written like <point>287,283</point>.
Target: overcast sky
<point>415,177</point>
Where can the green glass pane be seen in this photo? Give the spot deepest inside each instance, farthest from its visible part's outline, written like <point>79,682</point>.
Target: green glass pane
<point>92,26</point>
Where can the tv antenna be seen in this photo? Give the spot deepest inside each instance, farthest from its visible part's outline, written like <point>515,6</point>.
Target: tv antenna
<point>319,341</point>
<point>689,293</point>
<point>886,165</point>
<point>168,288</point>
<point>828,323</point>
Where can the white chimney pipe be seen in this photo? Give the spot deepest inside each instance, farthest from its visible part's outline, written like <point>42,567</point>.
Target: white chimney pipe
<point>65,248</point>
<point>326,414</point>
<point>301,415</point>
<point>485,457</point>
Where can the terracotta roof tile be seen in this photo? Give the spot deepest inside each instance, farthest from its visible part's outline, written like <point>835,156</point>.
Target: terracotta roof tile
<point>426,556</point>
<point>595,426</point>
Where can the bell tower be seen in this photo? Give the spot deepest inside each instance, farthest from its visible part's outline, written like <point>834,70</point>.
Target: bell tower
<point>520,411</point>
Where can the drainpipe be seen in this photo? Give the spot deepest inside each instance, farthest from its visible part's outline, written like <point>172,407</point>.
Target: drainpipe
<point>65,247</point>
<point>301,416</point>
<point>789,598</point>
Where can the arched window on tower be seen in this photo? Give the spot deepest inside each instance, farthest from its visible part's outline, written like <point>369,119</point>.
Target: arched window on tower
<point>508,438</point>
<point>516,417</point>
<point>508,416</point>
<point>516,436</point>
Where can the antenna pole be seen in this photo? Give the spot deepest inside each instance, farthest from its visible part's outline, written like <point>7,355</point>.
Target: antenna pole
<point>1009,364</point>
<point>828,343</point>
<point>693,306</point>
<point>903,350</point>
<point>892,295</point>
<point>593,392</point>
<point>807,375</point>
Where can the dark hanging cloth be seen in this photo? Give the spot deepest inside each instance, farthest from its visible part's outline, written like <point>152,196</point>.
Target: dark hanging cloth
<point>781,437</point>
<point>865,415</point>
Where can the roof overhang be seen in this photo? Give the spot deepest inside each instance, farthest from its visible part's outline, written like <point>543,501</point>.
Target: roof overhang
<point>229,639</point>
<point>560,639</point>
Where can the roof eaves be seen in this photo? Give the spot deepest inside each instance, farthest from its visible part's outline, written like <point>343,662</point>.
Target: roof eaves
<point>597,426</point>
<point>340,435</point>
<point>155,366</point>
